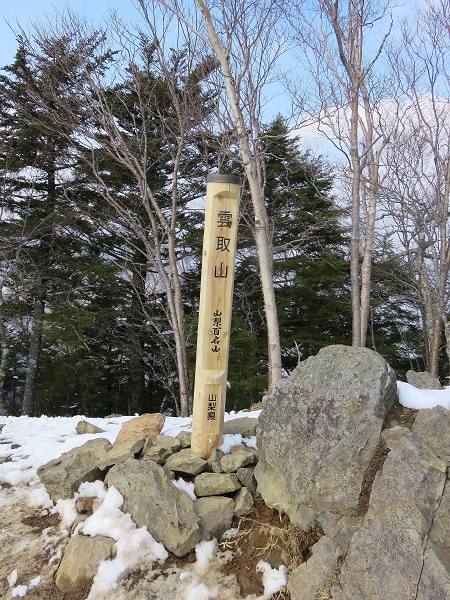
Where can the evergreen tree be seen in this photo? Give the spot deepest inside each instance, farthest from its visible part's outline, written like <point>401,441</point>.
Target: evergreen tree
<point>310,268</point>
<point>32,163</point>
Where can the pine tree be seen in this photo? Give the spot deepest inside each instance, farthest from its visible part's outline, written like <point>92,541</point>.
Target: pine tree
<point>310,267</point>
<point>32,162</point>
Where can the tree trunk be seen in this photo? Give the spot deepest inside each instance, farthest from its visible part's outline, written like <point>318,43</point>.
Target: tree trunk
<point>137,366</point>
<point>262,229</point>
<point>3,366</point>
<point>366,266</point>
<point>29,392</point>
<point>43,260</point>
<point>435,346</point>
<point>355,222</point>
<point>446,323</point>
<point>178,292</point>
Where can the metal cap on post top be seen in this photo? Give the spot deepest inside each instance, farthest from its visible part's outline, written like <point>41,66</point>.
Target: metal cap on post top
<point>221,178</point>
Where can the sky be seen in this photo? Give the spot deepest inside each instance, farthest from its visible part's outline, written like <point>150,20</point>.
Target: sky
<point>31,442</point>
<point>27,12</point>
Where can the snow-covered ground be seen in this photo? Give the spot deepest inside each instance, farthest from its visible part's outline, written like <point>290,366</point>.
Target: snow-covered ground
<point>31,442</point>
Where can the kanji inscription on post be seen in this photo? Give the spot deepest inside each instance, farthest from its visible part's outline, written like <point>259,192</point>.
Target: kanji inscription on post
<point>216,294</point>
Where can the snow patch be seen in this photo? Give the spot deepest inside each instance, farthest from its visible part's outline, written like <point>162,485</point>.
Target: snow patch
<point>412,397</point>
<point>185,486</point>
<point>19,591</point>
<point>205,552</point>
<point>273,579</point>
<point>12,578</point>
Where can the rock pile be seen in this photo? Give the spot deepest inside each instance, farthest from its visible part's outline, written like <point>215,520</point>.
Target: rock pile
<point>375,494</point>
<point>320,437</point>
<point>143,466</point>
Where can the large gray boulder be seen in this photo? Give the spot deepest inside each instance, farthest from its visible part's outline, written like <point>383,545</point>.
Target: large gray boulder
<point>62,476</point>
<point>186,463</point>
<point>153,501</point>
<point>386,556</point>
<point>318,431</point>
<point>240,457</point>
<point>216,484</point>
<point>121,452</point>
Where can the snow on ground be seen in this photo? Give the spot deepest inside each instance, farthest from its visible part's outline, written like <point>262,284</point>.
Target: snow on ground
<point>31,442</point>
<point>412,397</point>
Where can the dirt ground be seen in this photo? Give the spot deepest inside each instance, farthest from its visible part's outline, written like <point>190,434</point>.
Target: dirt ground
<point>31,541</point>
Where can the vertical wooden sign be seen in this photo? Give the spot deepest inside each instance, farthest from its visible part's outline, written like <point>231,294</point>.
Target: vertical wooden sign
<point>216,295</point>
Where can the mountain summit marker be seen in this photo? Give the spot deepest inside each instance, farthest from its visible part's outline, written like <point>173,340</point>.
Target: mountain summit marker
<point>216,296</point>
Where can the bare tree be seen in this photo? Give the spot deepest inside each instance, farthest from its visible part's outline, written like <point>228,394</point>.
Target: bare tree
<point>114,102</point>
<point>246,41</point>
<point>334,38</point>
<point>417,187</point>
<point>4,345</point>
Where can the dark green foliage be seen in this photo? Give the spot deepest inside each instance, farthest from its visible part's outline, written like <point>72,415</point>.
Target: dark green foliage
<point>310,269</point>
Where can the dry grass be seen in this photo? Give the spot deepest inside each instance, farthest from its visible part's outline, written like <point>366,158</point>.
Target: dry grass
<point>269,536</point>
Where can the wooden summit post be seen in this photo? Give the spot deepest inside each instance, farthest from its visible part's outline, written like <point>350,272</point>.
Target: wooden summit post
<point>216,295</point>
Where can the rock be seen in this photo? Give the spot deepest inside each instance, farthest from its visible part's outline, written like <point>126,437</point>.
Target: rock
<point>186,463</point>
<point>1,426</point>
<point>215,467</point>
<point>80,562</point>
<point>184,437</point>
<point>85,504</point>
<point>423,380</point>
<point>385,559</point>
<point>435,578</point>
<point>243,503</point>
<point>168,442</point>
<point>157,453</point>
<point>121,452</point>
<point>433,426</point>
<point>215,514</point>
<point>340,529</point>
<point>170,474</point>
<point>246,476</point>
<point>344,533</point>
<point>305,580</point>
<point>327,520</point>
<point>153,501</point>
<point>318,431</point>
<point>215,484</point>
<point>85,427</point>
<point>435,581</point>
<point>272,487</point>
<point>62,476</point>
<point>240,457</point>
<point>392,435</point>
<point>246,426</point>
<point>216,455</point>
<point>78,519</point>
<point>145,427</point>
